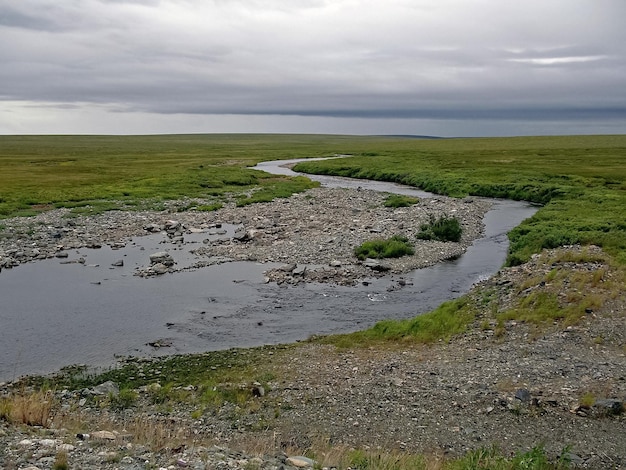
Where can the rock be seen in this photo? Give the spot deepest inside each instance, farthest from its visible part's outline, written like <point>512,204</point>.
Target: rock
<point>47,442</point>
<point>240,234</point>
<point>299,271</point>
<point>153,228</point>
<point>118,263</point>
<point>522,395</point>
<point>104,435</point>
<point>159,268</point>
<point>301,462</point>
<point>375,265</point>
<point>609,406</point>
<point>258,390</point>
<point>172,226</point>
<point>160,343</point>
<point>335,264</point>
<point>162,257</point>
<point>108,387</point>
<point>288,268</point>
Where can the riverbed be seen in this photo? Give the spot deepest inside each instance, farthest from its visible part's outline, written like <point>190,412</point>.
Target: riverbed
<point>84,310</point>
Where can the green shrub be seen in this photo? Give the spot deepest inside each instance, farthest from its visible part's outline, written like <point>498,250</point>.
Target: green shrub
<point>393,247</point>
<point>445,229</point>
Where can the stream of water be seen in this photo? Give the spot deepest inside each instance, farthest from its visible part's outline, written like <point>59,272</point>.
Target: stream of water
<point>53,314</point>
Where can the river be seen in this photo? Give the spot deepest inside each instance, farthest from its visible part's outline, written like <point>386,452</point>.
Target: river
<point>53,315</point>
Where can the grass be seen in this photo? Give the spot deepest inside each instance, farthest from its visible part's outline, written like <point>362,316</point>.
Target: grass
<point>447,320</point>
<point>394,247</point>
<point>578,282</point>
<point>96,173</point>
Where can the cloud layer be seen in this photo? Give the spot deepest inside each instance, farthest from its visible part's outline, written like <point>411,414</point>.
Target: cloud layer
<point>350,59</point>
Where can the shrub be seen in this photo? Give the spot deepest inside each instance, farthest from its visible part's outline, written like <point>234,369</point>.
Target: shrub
<point>393,247</point>
<point>445,229</point>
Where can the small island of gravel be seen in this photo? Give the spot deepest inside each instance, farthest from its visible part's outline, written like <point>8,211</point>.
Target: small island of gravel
<point>318,228</point>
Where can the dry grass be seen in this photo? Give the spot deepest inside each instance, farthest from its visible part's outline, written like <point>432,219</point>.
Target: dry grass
<point>60,462</point>
<point>32,409</point>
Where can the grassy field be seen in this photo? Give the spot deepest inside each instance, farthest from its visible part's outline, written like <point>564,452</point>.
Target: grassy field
<point>107,172</point>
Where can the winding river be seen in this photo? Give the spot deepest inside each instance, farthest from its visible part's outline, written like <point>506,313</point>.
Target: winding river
<point>54,315</point>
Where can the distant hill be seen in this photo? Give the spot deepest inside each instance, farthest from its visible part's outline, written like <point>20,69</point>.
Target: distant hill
<point>410,136</point>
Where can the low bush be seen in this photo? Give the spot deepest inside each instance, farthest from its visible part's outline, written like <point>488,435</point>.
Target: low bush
<point>445,229</point>
<point>393,247</point>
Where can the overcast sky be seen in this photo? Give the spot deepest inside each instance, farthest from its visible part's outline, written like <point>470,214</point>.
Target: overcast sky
<point>435,67</point>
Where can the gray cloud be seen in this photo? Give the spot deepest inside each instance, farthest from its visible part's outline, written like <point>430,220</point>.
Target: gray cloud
<point>401,59</point>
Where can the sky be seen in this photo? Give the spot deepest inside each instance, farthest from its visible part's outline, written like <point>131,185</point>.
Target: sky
<point>437,67</point>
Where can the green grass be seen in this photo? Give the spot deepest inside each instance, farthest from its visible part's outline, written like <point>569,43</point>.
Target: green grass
<point>394,247</point>
<point>398,200</point>
<point>579,180</point>
<point>566,293</point>
<point>491,459</point>
<point>447,320</point>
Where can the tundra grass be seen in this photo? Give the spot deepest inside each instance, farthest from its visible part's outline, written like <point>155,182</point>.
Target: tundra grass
<point>42,172</point>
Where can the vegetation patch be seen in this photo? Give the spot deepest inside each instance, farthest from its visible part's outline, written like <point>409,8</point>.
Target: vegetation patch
<point>29,408</point>
<point>566,285</point>
<point>394,247</point>
<point>447,320</point>
<point>209,207</point>
<point>399,200</point>
<point>445,229</point>
<point>92,174</point>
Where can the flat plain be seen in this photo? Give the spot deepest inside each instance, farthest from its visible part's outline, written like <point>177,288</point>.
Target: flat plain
<point>524,371</point>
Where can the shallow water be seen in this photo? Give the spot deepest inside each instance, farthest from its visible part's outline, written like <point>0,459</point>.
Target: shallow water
<point>54,314</point>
